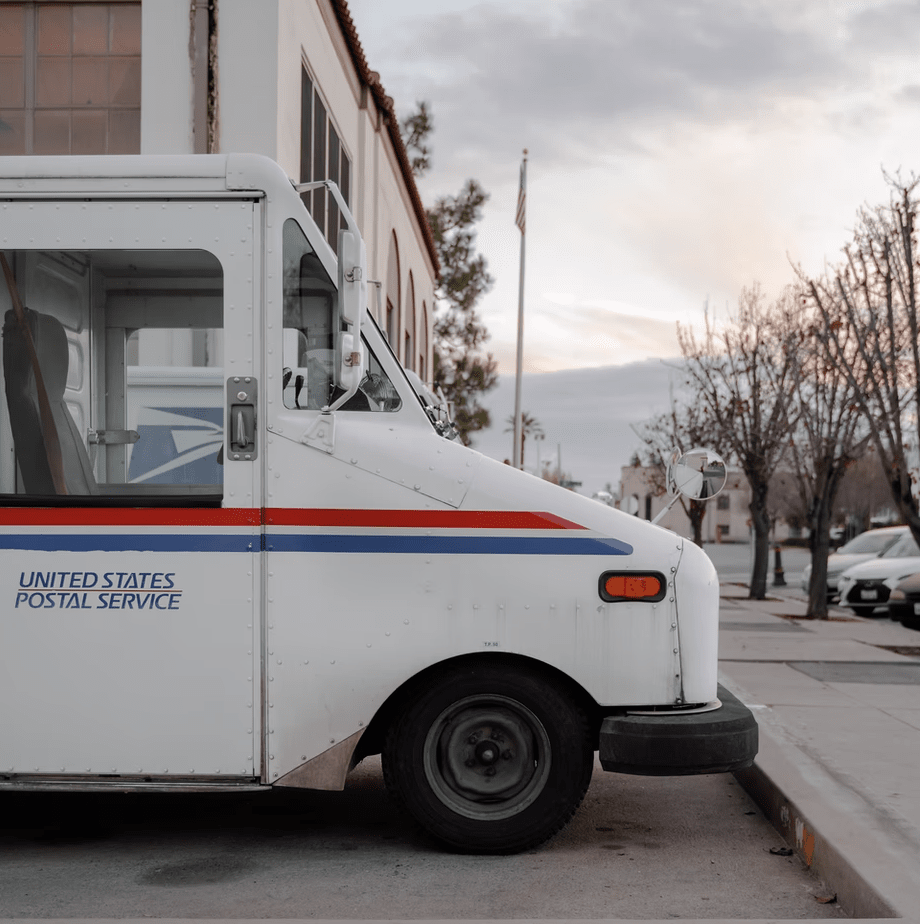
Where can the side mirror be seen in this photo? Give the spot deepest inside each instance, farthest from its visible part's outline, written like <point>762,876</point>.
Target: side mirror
<point>352,280</point>
<point>698,474</point>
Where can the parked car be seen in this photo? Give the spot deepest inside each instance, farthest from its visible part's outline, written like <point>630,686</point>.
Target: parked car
<point>866,545</point>
<point>867,586</point>
<point>904,602</point>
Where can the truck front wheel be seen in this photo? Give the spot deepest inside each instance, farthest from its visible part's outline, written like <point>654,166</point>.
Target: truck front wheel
<point>489,760</point>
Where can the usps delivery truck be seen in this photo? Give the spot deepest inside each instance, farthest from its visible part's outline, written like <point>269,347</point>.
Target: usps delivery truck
<point>262,588</point>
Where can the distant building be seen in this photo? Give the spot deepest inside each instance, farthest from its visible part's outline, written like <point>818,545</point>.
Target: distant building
<point>727,517</point>
<point>284,78</point>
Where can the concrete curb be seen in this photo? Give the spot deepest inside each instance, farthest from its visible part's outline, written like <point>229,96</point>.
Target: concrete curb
<point>834,831</point>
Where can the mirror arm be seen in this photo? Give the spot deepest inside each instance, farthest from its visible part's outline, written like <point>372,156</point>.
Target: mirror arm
<point>336,194</point>
<point>666,508</point>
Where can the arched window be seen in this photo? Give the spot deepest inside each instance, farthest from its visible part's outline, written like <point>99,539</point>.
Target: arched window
<point>423,345</point>
<point>409,352</point>
<point>391,325</point>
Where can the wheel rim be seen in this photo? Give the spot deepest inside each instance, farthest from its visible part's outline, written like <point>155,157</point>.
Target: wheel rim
<point>487,757</point>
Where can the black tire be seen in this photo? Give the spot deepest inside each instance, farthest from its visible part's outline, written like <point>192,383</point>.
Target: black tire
<point>488,759</point>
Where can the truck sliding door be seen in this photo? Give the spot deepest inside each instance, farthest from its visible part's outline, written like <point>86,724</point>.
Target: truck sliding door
<point>130,556</point>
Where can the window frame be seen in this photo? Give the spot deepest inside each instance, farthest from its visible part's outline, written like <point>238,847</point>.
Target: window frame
<point>319,135</point>
<point>92,141</point>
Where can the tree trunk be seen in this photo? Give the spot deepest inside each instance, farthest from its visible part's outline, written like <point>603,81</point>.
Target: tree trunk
<point>697,513</point>
<point>761,521</point>
<point>820,547</point>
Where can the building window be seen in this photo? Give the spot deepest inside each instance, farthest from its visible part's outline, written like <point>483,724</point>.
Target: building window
<point>392,295</point>
<point>70,78</point>
<point>322,157</point>
<point>723,501</point>
<point>423,345</point>
<point>409,351</point>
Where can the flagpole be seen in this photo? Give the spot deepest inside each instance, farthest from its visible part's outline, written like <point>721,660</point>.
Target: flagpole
<point>517,459</point>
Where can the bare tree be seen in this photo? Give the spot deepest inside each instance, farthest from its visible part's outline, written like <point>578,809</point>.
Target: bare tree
<point>743,373</point>
<point>864,493</point>
<point>824,443</point>
<point>683,427</point>
<point>870,326</point>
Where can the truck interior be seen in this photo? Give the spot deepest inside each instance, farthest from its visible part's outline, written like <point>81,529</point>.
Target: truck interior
<point>112,377</point>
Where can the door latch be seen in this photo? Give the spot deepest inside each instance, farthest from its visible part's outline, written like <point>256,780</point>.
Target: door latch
<point>241,418</point>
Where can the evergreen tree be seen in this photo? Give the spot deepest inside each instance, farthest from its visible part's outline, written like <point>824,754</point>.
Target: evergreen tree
<point>462,370</point>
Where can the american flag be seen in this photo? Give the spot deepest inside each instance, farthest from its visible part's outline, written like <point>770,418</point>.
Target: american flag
<point>522,195</point>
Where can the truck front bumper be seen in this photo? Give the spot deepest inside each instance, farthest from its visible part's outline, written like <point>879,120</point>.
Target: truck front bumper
<point>675,744</point>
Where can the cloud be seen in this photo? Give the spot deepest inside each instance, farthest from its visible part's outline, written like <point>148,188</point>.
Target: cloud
<point>678,151</point>
<point>586,414</point>
<point>610,70</point>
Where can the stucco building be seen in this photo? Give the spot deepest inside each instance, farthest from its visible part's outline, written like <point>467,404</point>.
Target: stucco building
<point>283,78</point>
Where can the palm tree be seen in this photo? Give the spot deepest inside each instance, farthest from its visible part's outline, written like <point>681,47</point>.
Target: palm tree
<point>529,425</point>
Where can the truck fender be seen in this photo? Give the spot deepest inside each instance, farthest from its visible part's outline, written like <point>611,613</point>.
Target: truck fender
<point>326,771</point>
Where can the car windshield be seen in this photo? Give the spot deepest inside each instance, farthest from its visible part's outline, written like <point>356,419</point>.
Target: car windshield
<point>905,547</point>
<point>870,543</point>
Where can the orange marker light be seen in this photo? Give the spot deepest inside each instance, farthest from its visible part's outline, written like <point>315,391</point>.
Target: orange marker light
<point>615,586</point>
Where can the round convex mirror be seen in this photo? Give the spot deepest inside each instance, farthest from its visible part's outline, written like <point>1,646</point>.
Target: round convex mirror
<point>698,474</point>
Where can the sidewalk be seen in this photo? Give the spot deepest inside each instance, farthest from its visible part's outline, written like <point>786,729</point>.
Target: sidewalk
<point>838,773</point>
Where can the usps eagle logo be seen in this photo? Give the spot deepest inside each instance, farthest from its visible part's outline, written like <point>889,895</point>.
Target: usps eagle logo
<point>177,445</point>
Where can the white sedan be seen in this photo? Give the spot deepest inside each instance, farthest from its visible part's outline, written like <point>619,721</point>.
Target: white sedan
<point>863,547</point>
<point>867,586</point>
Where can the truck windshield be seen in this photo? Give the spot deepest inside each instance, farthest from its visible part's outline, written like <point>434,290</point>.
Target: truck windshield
<point>310,300</point>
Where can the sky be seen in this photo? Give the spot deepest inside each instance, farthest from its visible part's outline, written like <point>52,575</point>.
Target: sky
<point>678,151</point>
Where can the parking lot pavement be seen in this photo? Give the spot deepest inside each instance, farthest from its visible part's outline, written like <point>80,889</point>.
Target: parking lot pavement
<point>838,704</point>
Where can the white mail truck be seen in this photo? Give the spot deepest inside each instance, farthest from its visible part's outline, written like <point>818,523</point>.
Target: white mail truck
<point>263,560</point>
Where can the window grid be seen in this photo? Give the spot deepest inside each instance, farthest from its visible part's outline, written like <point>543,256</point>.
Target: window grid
<point>70,78</point>
<point>322,157</point>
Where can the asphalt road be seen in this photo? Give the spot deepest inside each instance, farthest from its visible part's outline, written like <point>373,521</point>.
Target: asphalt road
<point>639,848</point>
<point>734,561</point>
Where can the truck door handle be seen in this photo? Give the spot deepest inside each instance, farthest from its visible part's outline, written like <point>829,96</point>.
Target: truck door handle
<point>240,436</point>
<point>241,418</point>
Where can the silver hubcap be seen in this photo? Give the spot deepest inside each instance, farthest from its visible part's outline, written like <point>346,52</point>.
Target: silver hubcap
<point>487,757</point>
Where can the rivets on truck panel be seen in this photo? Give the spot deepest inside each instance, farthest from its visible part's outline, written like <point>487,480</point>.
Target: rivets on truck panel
<point>675,651</point>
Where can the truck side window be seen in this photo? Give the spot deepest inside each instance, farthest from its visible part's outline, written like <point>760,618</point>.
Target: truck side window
<point>309,338</point>
<point>123,395</point>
